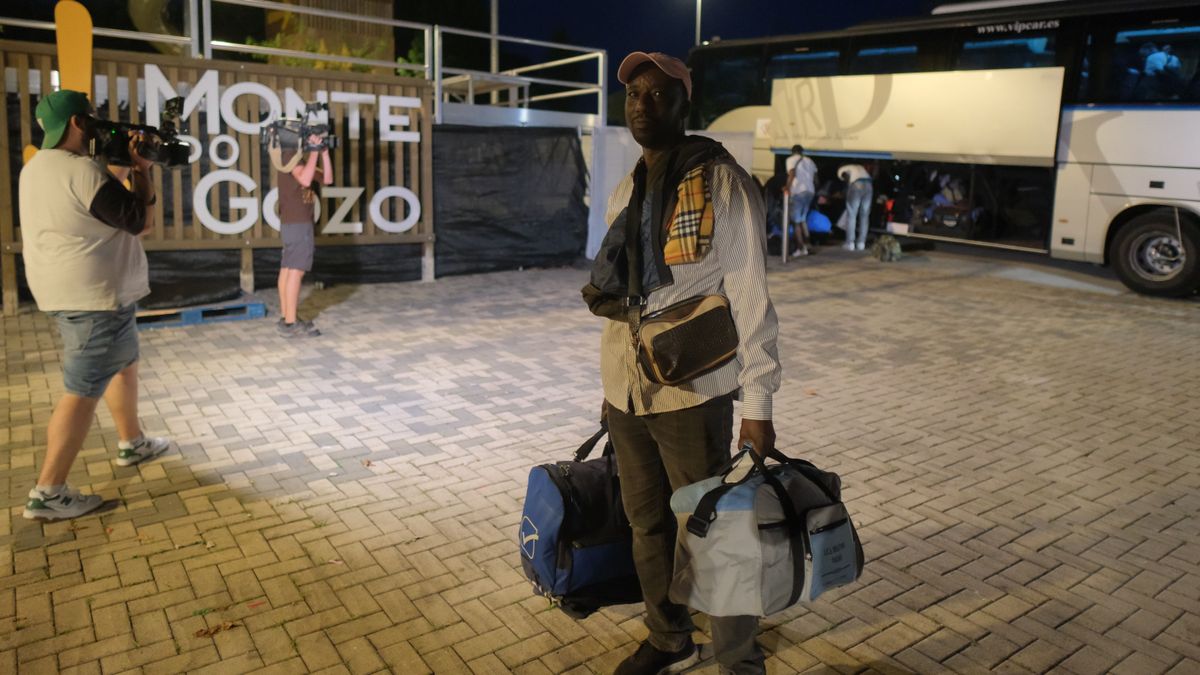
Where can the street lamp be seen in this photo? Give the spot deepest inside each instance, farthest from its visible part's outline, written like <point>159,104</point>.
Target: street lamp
<point>698,2</point>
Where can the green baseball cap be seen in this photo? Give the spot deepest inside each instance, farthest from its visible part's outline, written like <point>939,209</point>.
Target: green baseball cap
<point>54,113</point>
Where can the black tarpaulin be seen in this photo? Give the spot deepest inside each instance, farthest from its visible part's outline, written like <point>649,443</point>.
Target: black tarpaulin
<point>507,197</point>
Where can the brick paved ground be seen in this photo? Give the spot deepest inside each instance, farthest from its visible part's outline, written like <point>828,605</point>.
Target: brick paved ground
<point>1022,462</point>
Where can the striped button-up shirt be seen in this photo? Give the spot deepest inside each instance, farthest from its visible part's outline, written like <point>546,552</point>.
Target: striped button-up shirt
<point>735,267</point>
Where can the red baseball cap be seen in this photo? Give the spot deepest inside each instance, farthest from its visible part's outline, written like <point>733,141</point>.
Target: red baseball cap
<point>670,65</point>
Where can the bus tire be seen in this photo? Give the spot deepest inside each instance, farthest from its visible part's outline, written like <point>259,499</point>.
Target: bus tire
<point>1150,256</point>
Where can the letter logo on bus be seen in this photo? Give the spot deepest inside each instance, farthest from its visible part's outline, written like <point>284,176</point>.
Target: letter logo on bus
<point>814,108</point>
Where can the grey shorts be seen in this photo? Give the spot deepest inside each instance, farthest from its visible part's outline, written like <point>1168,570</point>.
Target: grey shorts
<point>96,346</point>
<point>297,246</point>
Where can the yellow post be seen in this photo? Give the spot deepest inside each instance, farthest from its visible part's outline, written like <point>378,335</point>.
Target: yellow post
<point>73,28</point>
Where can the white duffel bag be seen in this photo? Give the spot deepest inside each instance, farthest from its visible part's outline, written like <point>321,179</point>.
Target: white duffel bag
<point>742,550</point>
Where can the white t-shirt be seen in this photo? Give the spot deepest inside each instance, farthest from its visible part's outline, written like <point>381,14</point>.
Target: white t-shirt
<point>73,261</point>
<point>805,174</point>
<point>856,171</point>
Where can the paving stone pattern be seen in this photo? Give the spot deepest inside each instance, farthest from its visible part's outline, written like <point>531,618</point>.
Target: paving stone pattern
<point>1022,461</point>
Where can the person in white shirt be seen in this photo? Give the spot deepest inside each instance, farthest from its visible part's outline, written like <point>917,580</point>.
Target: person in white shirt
<point>801,188</point>
<point>86,268</point>
<point>858,205</point>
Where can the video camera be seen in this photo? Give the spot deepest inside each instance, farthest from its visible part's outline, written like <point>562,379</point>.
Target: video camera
<point>112,139</point>
<point>294,134</point>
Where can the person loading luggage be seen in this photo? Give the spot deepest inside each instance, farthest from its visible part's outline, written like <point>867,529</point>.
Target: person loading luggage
<point>858,205</point>
<point>801,188</point>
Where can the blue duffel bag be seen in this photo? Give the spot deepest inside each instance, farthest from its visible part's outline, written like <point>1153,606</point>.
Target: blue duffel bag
<point>576,545</point>
<point>818,223</point>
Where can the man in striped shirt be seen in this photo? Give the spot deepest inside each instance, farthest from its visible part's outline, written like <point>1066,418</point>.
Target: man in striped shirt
<point>667,437</point>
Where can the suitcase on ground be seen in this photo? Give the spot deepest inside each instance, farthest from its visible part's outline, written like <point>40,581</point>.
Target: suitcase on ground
<point>575,541</point>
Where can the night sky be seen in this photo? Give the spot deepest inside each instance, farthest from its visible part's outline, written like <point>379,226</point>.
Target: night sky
<point>622,26</point>
<point>618,26</point>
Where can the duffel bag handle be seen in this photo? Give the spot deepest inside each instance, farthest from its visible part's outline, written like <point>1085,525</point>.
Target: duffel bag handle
<point>706,510</point>
<point>810,471</point>
<point>785,502</point>
<point>588,445</point>
<point>789,514</point>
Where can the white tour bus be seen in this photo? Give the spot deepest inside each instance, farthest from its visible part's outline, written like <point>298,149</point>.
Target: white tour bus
<point>1067,128</point>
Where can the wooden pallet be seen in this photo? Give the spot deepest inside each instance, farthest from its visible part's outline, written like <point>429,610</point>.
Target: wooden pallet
<point>245,307</point>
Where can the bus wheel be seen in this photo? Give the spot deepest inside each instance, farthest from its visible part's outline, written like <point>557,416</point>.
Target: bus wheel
<point>1153,256</point>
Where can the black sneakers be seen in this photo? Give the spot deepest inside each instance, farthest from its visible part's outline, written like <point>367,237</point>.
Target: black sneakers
<point>649,660</point>
<point>299,329</point>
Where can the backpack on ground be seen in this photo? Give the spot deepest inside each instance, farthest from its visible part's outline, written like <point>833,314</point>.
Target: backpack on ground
<point>886,249</point>
<point>575,541</point>
<point>757,538</point>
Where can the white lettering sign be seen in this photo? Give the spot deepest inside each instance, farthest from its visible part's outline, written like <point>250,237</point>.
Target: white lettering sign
<point>414,209</point>
<point>219,105</point>
<point>335,224</point>
<point>207,219</point>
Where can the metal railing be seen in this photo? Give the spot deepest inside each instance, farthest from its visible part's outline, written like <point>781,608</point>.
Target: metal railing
<point>105,32</point>
<point>465,82</point>
<point>518,76</point>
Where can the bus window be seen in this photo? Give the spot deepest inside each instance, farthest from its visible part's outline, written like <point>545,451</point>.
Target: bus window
<point>1155,64</point>
<point>725,81</point>
<point>1014,51</point>
<point>1085,70</point>
<point>803,63</point>
<point>885,59</point>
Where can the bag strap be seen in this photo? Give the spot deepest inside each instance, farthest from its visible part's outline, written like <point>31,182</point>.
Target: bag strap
<point>588,445</point>
<point>633,236</point>
<point>276,154</point>
<point>795,525</point>
<point>810,471</point>
<point>584,450</point>
<point>785,502</point>
<point>728,466</point>
<point>706,510</point>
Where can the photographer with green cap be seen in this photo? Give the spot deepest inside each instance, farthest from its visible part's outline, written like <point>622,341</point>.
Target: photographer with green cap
<point>86,268</point>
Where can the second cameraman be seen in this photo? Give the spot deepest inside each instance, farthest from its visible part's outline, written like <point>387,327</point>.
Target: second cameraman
<point>297,193</point>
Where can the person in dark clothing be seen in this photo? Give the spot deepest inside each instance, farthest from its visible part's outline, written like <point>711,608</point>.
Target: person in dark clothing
<point>695,225</point>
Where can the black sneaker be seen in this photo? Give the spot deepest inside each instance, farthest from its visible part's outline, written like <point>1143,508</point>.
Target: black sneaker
<point>306,329</point>
<point>300,329</point>
<point>650,660</point>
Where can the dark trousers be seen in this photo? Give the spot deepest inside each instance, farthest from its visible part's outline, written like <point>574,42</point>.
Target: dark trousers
<point>656,455</point>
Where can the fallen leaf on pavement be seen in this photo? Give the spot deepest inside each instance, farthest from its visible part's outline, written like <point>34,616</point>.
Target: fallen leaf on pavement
<point>256,603</point>
<point>810,392</point>
<point>108,530</point>
<point>209,545</point>
<point>209,632</point>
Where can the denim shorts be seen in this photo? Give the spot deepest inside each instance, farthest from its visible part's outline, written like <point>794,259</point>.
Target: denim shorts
<point>799,203</point>
<point>96,346</point>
